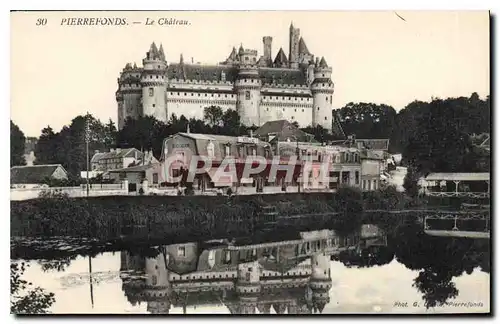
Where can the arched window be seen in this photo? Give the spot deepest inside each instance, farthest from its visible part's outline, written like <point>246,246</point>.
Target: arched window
<point>247,95</point>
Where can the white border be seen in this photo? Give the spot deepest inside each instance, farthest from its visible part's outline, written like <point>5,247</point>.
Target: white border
<point>492,5</point>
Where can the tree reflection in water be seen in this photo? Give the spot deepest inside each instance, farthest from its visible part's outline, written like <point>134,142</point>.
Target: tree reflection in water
<point>438,260</point>
<point>24,298</point>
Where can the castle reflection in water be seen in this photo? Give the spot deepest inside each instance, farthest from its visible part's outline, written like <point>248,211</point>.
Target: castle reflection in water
<point>291,276</point>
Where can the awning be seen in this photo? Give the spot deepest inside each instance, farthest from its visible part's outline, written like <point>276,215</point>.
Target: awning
<point>481,176</point>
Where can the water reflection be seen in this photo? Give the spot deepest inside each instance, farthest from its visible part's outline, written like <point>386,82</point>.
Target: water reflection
<point>292,277</point>
<point>315,272</point>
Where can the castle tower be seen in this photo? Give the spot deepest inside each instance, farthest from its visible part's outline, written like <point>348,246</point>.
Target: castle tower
<point>248,286</point>
<point>247,86</point>
<point>322,91</point>
<point>320,281</point>
<point>154,84</point>
<point>293,55</point>
<point>128,95</point>
<point>157,285</point>
<point>267,40</point>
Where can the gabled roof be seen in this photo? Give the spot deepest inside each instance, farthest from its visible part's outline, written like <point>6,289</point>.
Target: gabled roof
<point>374,144</point>
<point>33,173</point>
<point>112,155</point>
<point>283,129</point>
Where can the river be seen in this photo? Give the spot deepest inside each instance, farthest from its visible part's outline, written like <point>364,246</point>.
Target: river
<point>316,273</point>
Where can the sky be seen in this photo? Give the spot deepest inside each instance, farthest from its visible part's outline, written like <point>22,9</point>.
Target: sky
<point>60,71</point>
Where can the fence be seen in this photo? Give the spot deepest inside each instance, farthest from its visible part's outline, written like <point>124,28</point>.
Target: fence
<point>95,190</point>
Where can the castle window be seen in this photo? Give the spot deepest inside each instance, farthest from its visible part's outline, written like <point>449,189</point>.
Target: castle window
<point>302,110</point>
<point>326,118</point>
<point>293,117</point>
<point>218,95</point>
<point>157,77</point>
<point>295,109</point>
<point>226,96</point>
<point>198,94</point>
<point>267,109</point>
<point>323,75</point>
<point>178,94</point>
<point>283,109</point>
<point>185,94</point>
<point>181,251</point>
<point>247,95</point>
<point>150,76</point>
<point>192,94</point>
<point>205,94</point>
<point>318,108</point>
<point>151,92</point>
<point>153,105</point>
<point>158,66</point>
<point>246,58</point>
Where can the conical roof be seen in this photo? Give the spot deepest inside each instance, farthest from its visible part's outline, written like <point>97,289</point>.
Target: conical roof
<point>161,54</point>
<point>280,57</point>
<point>303,47</point>
<point>322,63</point>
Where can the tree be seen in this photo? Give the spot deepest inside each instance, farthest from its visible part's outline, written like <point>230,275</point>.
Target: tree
<point>46,150</point>
<point>212,115</point>
<point>410,182</point>
<point>17,145</point>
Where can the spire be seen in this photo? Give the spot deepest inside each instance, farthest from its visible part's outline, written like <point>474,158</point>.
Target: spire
<point>303,47</point>
<point>181,59</point>
<point>322,63</point>
<point>240,51</point>
<point>233,56</point>
<point>280,59</point>
<point>291,25</point>
<point>161,53</point>
<point>135,66</point>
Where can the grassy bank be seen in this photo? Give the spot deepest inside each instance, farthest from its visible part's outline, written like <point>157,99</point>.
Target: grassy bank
<point>158,218</point>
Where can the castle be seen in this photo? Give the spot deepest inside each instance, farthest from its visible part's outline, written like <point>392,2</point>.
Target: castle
<point>296,88</point>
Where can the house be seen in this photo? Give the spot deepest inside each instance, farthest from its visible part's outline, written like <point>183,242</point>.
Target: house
<point>183,146</point>
<point>139,176</point>
<point>372,169</point>
<point>115,159</point>
<point>35,175</point>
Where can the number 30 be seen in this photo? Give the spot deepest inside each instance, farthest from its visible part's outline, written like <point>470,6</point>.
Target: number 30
<point>41,21</point>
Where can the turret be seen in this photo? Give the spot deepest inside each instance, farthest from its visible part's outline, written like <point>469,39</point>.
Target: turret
<point>248,286</point>
<point>322,91</point>
<point>267,57</point>
<point>154,83</point>
<point>247,86</point>
<point>128,95</point>
<point>320,281</point>
<point>157,286</point>
<point>293,55</point>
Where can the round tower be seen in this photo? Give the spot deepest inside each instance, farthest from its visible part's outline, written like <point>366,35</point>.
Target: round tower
<point>154,84</point>
<point>248,286</point>
<point>247,87</point>
<point>129,94</point>
<point>320,281</point>
<point>157,285</point>
<point>322,91</point>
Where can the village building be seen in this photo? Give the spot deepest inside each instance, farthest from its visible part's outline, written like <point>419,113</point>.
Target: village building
<point>117,158</point>
<point>35,176</point>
